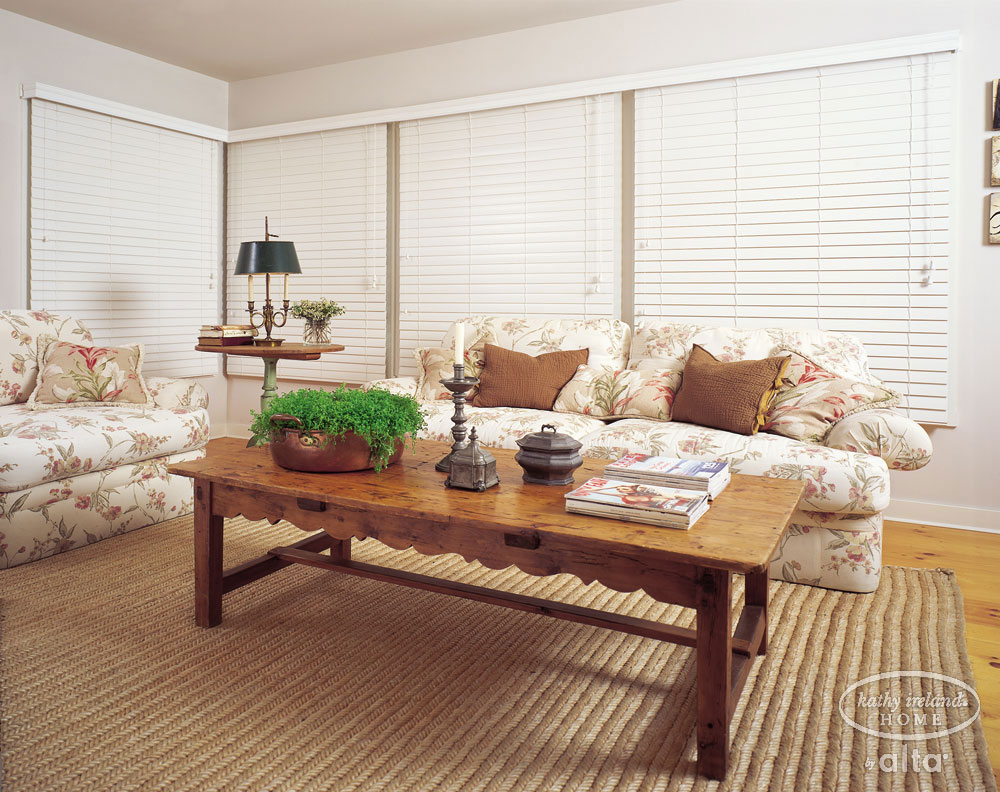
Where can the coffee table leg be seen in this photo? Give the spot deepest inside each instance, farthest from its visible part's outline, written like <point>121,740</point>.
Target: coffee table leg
<point>207,558</point>
<point>714,661</point>
<point>340,550</point>
<point>756,594</point>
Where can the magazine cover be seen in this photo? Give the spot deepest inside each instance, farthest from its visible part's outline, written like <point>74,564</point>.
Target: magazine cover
<point>632,495</point>
<point>667,466</point>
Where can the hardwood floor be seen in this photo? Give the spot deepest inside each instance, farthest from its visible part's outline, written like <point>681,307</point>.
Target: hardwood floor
<point>975,557</point>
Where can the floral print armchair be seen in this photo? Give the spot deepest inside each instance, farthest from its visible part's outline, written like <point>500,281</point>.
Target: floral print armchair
<point>70,476</point>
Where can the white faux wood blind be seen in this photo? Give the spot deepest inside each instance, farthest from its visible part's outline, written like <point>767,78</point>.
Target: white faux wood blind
<point>125,232</point>
<point>813,198</point>
<point>506,212</point>
<point>326,192</point>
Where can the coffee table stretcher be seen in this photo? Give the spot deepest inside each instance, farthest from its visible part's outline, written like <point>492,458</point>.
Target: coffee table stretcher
<point>723,658</point>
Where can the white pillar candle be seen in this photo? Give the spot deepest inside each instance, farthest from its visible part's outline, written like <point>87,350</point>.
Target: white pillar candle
<point>286,287</point>
<point>460,344</point>
<point>250,288</point>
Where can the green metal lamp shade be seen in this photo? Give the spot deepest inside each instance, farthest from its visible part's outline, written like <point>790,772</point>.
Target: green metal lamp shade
<point>274,258</point>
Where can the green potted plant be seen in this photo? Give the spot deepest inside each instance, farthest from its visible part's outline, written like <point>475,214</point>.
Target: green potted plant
<point>335,431</point>
<point>317,315</point>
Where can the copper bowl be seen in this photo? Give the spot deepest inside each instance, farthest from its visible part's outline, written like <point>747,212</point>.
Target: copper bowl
<point>316,452</point>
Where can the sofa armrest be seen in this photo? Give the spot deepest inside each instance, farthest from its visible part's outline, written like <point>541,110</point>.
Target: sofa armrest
<point>405,386</point>
<point>169,394</point>
<point>901,442</point>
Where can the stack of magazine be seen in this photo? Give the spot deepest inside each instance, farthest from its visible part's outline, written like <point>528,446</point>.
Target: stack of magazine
<point>691,474</point>
<point>636,502</point>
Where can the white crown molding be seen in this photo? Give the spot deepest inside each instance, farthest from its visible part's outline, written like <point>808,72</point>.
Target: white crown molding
<point>847,53</point>
<point>944,515</point>
<point>51,93</point>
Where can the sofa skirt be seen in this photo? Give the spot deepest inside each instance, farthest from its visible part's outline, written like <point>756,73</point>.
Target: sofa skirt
<point>57,516</point>
<point>834,551</point>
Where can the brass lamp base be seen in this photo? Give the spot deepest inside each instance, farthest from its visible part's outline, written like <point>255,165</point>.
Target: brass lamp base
<point>269,318</point>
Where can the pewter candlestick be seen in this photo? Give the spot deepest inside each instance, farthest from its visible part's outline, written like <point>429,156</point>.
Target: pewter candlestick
<point>459,385</point>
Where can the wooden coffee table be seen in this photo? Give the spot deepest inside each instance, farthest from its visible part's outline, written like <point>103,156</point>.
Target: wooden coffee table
<point>518,524</point>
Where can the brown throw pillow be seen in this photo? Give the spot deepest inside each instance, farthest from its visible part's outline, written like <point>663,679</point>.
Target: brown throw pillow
<point>731,396</point>
<point>513,379</point>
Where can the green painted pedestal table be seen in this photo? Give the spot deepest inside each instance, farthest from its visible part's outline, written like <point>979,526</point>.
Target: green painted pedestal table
<point>271,355</point>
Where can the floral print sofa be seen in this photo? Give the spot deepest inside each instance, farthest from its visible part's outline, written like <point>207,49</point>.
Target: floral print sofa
<point>835,539</point>
<point>70,476</point>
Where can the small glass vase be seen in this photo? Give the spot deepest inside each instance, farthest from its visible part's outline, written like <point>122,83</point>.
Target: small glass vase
<point>316,331</point>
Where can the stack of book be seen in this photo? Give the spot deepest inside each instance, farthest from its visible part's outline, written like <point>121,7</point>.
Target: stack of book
<point>692,474</point>
<point>226,335</point>
<point>635,502</point>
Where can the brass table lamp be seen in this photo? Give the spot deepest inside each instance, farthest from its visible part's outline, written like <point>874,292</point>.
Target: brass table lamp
<point>267,258</point>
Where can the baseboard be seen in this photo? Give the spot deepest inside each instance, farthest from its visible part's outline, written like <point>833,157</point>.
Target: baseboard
<point>229,430</point>
<point>945,515</point>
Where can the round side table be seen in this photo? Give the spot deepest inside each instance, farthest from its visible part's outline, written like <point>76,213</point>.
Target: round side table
<point>271,355</point>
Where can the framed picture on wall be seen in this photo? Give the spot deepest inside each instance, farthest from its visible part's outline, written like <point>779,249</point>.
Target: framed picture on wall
<point>996,105</point>
<point>994,218</point>
<point>995,166</point>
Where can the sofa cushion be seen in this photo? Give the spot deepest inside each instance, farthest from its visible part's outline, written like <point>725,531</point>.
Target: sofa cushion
<point>500,427</point>
<point>839,353</point>
<point>660,341</point>
<point>606,339</point>
<point>515,379</point>
<point>61,515</point>
<point>836,480</point>
<point>168,392</point>
<point>21,335</point>
<point>438,363</point>
<point>605,392</point>
<point>813,400</point>
<point>47,445</point>
<point>74,374</point>
<point>404,386</point>
<point>734,396</point>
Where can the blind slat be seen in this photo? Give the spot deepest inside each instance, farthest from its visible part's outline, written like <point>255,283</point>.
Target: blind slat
<point>326,192</point>
<point>507,211</point>
<point>811,198</point>
<point>125,225</point>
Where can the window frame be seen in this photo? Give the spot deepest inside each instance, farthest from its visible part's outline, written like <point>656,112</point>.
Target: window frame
<point>622,86</point>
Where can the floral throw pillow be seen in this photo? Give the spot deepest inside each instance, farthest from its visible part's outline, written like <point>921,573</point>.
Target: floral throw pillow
<point>72,374</point>
<point>593,391</point>
<point>606,392</point>
<point>814,399</point>
<point>437,363</point>
<point>650,393</point>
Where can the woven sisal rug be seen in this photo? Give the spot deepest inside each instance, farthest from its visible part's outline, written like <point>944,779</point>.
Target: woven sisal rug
<point>316,681</point>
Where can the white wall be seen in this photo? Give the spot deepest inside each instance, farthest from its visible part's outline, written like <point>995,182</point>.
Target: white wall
<point>689,32</point>
<point>32,51</point>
